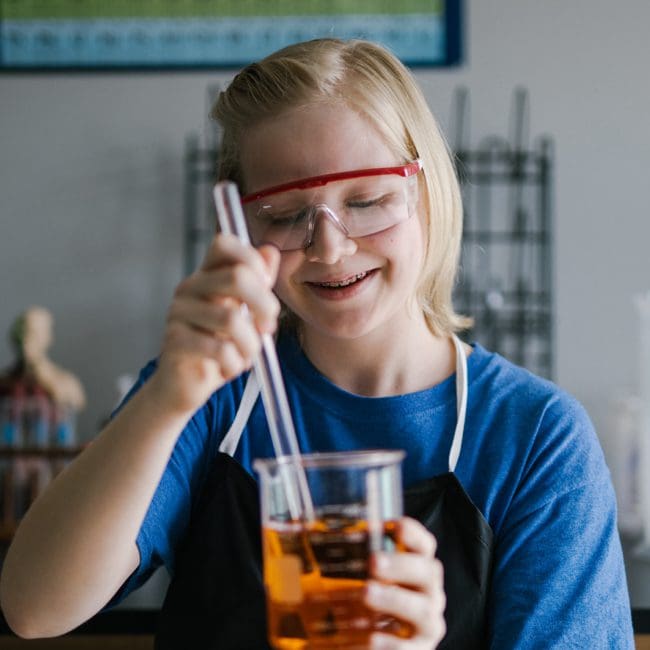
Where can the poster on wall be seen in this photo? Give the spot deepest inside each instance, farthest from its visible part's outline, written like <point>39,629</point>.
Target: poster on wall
<point>166,34</point>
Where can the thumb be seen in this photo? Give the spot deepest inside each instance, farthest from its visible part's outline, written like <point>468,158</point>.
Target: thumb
<point>271,256</point>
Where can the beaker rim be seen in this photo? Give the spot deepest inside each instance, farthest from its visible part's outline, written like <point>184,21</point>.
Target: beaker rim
<point>335,459</point>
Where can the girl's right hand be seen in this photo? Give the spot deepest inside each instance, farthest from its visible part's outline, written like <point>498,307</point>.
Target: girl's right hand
<point>208,338</point>
<point>53,583</point>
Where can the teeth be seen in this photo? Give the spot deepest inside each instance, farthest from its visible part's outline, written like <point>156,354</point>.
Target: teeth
<point>344,283</point>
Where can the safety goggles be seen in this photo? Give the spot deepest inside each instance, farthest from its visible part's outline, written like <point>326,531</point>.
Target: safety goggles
<point>360,202</point>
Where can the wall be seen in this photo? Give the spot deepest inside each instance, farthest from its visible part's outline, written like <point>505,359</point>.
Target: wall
<point>91,189</point>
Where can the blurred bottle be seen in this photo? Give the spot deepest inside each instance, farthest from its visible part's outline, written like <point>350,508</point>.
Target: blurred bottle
<point>37,411</point>
<point>11,407</point>
<point>625,463</point>
<point>642,304</point>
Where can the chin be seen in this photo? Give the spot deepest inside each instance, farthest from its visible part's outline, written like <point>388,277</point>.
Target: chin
<point>343,329</point>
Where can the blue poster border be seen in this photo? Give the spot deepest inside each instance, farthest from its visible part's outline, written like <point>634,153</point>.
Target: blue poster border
<point>445,48</point>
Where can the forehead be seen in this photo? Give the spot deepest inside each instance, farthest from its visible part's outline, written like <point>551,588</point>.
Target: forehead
<point>311,141</point>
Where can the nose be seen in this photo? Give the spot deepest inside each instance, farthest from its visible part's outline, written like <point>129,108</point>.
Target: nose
<point>329,241</point>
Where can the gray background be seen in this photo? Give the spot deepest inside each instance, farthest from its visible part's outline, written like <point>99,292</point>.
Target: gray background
<point>91,191</point>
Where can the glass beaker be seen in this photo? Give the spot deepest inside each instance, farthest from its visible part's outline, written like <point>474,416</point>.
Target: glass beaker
<point>315,572</point>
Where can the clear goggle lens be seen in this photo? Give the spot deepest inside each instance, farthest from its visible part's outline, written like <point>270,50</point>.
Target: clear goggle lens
<point>360,203</point>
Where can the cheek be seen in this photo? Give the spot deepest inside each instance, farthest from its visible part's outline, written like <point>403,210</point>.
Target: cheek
<point>407,251</point>
<point>405,241</point>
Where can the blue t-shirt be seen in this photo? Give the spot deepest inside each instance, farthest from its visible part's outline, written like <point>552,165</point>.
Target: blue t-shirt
<point>530,461</point>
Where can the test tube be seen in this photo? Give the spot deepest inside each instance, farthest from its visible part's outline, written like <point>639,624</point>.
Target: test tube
<point>231,220</point>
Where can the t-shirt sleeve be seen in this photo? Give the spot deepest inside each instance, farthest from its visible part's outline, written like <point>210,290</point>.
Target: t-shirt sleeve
<point>558,578</point>
<point>169,511</point>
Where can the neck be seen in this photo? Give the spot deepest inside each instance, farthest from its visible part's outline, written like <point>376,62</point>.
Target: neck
<point>383,363</point>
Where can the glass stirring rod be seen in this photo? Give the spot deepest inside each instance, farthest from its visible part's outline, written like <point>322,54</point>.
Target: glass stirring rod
<point>267,368</point>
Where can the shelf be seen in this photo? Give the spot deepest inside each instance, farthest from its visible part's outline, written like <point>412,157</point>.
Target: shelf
<point>39,452</point>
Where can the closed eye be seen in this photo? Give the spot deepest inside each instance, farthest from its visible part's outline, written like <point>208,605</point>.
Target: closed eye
<point>370,202</point>
<point>285,217</point>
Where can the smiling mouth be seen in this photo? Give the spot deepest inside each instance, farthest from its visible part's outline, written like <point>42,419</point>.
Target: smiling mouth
<point>339,284</point>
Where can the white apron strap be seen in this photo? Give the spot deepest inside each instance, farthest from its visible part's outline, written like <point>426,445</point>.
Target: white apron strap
<point>252,390</point>
<point>461,403</point>
<point>231,439</point>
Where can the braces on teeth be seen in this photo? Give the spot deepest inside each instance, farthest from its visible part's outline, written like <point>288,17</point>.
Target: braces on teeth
<point>344,283</point>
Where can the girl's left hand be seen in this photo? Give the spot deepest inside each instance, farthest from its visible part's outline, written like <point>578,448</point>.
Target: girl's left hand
<point>415,592</point>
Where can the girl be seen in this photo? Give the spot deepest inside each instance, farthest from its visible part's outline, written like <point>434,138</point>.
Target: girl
<point>352,202</point>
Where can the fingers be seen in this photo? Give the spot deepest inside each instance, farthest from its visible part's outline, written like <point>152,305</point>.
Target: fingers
<point>209,339</point>
<point>212,325</point>
<point>232,273</point>
<point>424,610</point>
<point>409,569</point>
<point>189,349</point>
<point>416,537</point>
<point>212,299</point>
<point>225,250</point>
<point>380,641</point>
<point>410,586</point>
<point>271,256</point>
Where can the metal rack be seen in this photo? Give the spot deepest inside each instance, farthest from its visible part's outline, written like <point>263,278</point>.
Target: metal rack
<point>506,273</point>
<point>506,279</point>
<point>200,165</point>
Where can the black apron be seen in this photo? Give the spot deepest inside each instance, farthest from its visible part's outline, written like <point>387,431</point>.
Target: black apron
<point>216,598</point>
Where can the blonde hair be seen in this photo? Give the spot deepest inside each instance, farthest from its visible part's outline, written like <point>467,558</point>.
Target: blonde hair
<point>373,82</point>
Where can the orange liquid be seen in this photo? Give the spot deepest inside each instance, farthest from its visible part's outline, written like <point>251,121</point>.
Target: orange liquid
<point>315,580</point>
